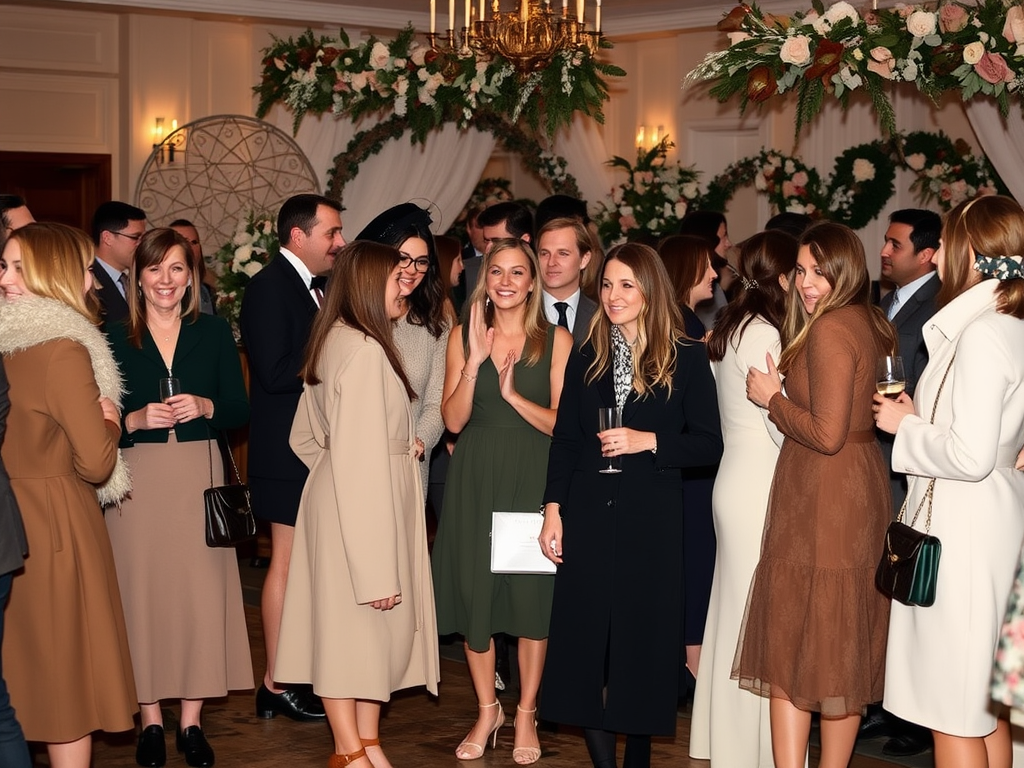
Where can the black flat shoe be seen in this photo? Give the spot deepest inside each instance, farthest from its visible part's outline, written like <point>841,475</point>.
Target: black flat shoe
<point>877,722</point>
<point>911,742</point>
<point>192,742</point>
<point>151,751</point>
<point>297,703</point>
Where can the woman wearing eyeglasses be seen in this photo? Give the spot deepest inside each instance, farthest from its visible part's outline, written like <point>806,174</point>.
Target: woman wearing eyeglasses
<point>421,333</point>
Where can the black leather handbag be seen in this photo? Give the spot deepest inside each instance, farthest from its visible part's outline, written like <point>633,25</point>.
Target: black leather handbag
<point>229,519</point>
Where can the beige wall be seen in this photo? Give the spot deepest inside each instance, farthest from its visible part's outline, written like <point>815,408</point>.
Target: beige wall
<point>94,81</point>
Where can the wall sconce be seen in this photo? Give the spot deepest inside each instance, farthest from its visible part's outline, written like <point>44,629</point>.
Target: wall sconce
<point>158,138</point>
<point>649,136</point>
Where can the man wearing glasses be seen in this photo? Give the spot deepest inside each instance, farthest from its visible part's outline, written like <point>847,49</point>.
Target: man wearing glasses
<point>116,230</point>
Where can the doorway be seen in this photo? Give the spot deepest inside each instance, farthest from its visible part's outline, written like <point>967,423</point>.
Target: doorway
<point>58,186</point>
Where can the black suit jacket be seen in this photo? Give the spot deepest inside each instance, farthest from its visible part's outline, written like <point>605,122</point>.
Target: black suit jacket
<point>113,306</point>
<point>13,544</point>
<point>584,312</point>
<point>619,588</point>
<point>276,317</point>
<point>909,322</point>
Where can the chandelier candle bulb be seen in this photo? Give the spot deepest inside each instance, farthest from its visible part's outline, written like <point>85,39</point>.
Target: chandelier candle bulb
<point>469,21</point>
<point>579,11</point>
<point>451,14</point>
<point>597,18</point>
<point>433,17</point>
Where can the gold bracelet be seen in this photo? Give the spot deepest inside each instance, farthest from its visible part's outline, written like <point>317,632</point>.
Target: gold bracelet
<point>467,377</point>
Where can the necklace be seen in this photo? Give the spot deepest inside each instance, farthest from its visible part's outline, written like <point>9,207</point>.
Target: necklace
<point>165,333</point>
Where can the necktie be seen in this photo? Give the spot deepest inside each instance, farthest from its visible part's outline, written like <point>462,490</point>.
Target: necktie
<point>317,285</point>
<point>122,279</point>
<point>895,306</point>
<point>563,318</point>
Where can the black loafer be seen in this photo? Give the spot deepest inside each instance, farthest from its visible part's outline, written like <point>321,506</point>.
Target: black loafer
<point>297,703</point>
<point>877,722</point>
<point>911,742</point>
<point>151,751</point>
<point>192,742</point>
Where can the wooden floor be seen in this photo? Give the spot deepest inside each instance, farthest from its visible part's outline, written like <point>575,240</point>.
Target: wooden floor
<point>416,731</point>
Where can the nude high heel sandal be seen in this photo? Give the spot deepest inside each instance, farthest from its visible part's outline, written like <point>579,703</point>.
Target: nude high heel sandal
<point>467,750</point>
<point>526,755</point>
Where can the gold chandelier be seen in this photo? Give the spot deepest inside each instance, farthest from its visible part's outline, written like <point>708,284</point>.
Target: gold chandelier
<point>529,38</point>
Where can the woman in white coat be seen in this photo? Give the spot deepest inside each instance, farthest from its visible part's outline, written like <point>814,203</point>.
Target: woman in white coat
<point>939,658</point>
<point>730,725</point>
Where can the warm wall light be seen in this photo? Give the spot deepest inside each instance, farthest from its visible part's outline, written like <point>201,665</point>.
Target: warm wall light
<point>158,139</point>
<point>640,137</point>
<point>158,131</point>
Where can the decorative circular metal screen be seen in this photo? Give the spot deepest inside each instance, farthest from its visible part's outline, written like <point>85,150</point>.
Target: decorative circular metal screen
<point>215,170</point>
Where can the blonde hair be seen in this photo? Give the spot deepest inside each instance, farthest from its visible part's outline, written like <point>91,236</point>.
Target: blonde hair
<point>534,322</point>
<point>659,324</point>
<point>990,226</point>
<point>840,257</point>
<point>54,261</point>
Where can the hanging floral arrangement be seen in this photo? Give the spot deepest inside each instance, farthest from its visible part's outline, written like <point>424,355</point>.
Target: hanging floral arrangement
<point>251,248</point>
<point>969,49</point>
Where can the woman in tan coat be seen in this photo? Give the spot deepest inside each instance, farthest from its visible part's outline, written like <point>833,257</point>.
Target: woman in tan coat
<point>66,650</point>
<point>358,619</point>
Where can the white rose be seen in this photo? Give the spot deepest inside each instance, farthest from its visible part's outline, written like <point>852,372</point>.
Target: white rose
<point>241,238</point>
<point>796,50</point>
<point>626,210</point>
<point>863,170</point>
<point>399,63</point>
<point>973,52</point>
<point>681,209</point>
<point>242,253</point>
<point>401,86</point>
<point>922,23</point>
<point>690,189</point>
<point>417,55</point>
<point>252,268</point>
<point>379,56</point>
<point>915,161</point>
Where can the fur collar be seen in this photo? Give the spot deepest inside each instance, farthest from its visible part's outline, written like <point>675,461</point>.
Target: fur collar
<point>34,320</point>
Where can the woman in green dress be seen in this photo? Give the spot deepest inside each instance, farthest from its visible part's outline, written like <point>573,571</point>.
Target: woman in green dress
<point>503,378</point>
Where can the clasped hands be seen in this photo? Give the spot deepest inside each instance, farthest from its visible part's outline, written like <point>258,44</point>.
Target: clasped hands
<point>176,410</point>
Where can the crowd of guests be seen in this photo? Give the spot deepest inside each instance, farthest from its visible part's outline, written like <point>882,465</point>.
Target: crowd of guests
<point>732,553</point>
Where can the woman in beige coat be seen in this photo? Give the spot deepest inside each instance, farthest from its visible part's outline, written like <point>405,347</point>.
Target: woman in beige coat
<point>65,654</point>
<point>358,619</point>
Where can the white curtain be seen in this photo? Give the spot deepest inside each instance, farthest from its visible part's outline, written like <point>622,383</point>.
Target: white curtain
<point>1002,139</point>
<point>586,155</point>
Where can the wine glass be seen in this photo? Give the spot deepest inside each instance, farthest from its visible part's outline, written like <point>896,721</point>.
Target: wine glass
<point>169,387</point>
<point>610,418</point>
<point>890,380</point>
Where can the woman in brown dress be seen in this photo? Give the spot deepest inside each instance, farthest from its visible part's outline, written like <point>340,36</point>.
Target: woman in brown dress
<point>65,653</point>
<point>815,630</point>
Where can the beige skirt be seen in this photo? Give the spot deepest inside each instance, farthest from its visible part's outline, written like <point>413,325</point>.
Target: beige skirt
<point>182,600</point>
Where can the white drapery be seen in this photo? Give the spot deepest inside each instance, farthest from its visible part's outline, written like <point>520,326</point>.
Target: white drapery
<point>1002,139</point>
<point>586,155</point>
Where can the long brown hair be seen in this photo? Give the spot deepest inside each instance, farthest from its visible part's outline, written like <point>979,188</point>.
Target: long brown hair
<point>989,226</point>
<point>54,261</point>
<point>355,296</point>
<point>687,258</point>
<point>659,324</point>
<point>763,258</point>
<point>534,322</point>
<point>840,256</point>
<point>153,249</point>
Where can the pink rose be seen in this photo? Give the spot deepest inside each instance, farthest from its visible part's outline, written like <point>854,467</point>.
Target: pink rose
<point>627,222</point>
<point>1013,29</point>
<point>992,68</point>
<point>952,18</point>
<point>796,50</point>
<point>800,178</point>
<point>881,62</point>
<point>789,189</point>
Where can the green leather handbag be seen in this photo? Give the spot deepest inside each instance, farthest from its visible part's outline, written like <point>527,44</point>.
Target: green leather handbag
<point>909,567</point>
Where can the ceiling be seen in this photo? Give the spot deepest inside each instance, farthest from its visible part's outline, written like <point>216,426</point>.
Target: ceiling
<point>620,17</point>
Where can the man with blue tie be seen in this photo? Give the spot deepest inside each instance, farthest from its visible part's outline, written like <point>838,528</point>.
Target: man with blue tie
<point>910,243</point>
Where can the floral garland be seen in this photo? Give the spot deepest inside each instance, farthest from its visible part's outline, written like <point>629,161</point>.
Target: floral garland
<point>427,87</point>
<point>861,184</point>
<point>251,248</point>
<point>653,199</point>
<point>971,50</point>
<point>548,167</point>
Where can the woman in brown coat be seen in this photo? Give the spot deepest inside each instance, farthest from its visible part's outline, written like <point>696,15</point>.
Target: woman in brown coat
<point>66,650</point>
<point>358,619</point>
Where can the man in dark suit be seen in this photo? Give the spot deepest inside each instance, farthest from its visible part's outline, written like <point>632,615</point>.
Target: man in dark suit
<point>277,312</point>
<point>116,230</point>
<point>472,252</point>
<point>910,243</point>
<point>498,221</point>
<point>564,250</point>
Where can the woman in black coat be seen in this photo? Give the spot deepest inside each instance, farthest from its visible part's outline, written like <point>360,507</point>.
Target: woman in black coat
<point>613,654</point>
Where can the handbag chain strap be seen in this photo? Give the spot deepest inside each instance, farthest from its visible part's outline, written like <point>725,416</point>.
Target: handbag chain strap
<point>224,448</point>
<point>930,490</point>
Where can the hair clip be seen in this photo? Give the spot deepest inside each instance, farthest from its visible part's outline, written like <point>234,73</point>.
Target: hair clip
<point>748,284</point>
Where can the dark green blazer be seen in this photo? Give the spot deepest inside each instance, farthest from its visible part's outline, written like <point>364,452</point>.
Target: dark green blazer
<point>205,360</point>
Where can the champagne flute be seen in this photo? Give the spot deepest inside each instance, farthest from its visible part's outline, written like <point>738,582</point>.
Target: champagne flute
<point>610,418</point>
<point>890,380</point>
